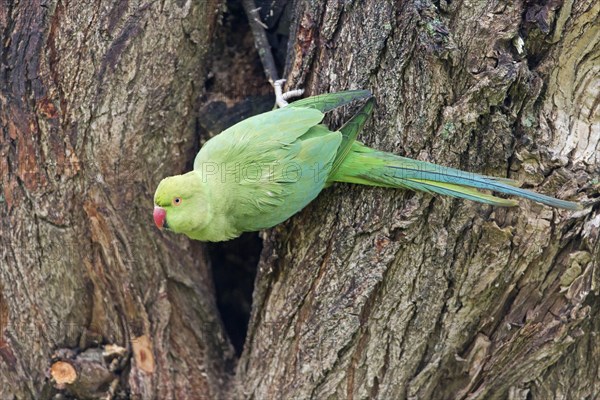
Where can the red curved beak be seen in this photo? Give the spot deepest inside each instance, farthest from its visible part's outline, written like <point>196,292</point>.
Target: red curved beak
<point>160,216</point>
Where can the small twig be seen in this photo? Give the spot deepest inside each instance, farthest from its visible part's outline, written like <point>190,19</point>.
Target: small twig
<point>266,56</point>
<point>260,41</point>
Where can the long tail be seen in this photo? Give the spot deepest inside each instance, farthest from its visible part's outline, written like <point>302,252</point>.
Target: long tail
<point>366,166</point>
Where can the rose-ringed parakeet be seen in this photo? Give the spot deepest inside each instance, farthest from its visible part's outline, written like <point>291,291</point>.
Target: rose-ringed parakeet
<point>263,170</point>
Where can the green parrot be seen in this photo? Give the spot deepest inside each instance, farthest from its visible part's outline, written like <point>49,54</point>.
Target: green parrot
<point>263,170</point>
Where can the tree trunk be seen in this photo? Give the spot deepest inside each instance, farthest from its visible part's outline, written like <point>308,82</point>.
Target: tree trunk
<point>367,293</point>
<point>97,104</point>
<point>373,293</point>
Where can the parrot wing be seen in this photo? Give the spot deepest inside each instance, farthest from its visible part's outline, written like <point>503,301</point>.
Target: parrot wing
<point>268,167</point>
<point>350,131</point>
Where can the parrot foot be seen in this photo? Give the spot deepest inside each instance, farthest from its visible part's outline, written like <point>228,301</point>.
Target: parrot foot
<point>280,97</point>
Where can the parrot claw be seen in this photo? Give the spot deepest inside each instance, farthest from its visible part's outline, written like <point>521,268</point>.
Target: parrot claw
<point>280,97</point>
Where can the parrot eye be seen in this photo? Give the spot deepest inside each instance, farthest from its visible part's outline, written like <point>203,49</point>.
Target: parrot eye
<point>177,201</point>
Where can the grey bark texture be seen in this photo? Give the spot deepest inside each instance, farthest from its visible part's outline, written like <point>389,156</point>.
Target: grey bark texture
<point>97,104</point>
<point>372,293</point>
<point>367,293</point>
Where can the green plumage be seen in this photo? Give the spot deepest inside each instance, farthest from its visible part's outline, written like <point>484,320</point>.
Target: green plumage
<point>263,170</point>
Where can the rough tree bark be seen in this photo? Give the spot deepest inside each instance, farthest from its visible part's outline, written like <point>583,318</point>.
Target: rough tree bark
<point>367,293</point>
<point>371,293</point>
<point>97,104</point>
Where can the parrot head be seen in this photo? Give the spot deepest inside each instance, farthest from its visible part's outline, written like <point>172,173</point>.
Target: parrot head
<point>180,204</point>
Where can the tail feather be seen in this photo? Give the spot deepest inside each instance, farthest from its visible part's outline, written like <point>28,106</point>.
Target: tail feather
<point>367,166</point>
<point>462,192</point>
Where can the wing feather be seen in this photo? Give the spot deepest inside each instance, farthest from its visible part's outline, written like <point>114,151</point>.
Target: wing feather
<point>268,167</point>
